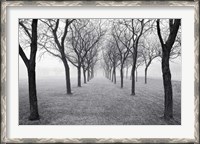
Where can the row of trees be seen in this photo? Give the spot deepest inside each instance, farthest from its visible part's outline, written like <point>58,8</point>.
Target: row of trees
<point>117,55</point>
<point>136,42</point>
<point>124,45</point>
<point>71,40</point>
<point>128,43</point>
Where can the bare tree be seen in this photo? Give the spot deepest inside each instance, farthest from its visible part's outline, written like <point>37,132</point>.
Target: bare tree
<point>176,48</point>
<point>135,29</point>
<point>139,63</point>
<point>166,50</point>
<point>85,35</point>
<point>30,65</point>
<point>112,53</point>
<point>55,43</point>
<point>107,65</point>
<point>87,62</point>
<point>78,51</point>
<point>119,33</point>
<point>149,51</point>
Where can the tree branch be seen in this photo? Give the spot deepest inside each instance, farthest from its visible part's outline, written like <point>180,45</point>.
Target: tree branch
<point>26,30</point>
<point>159,33</point>
<point>23,56</point>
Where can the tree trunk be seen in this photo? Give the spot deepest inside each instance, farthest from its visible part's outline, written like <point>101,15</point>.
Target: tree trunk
<point>145,78</point>
<point>92,72</point>
<point>133,81</point>
<point>168,112</point>
<point>84,75</point>
<point>109,74</point>
<point>114,73</point>
<point>34,115</point>
<point>127,72</point>
<point>88,74</point>
<point>67,76</point>
<point>32,95</point>
<point>79,75</point>
<point>166,49</point>
<point>122,77</point>
<point>136,75</point>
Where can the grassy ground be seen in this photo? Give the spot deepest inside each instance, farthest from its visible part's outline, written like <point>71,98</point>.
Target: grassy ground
<point>99,102</point>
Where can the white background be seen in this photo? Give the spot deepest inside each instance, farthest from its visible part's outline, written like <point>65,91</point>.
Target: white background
<point>185,130</point>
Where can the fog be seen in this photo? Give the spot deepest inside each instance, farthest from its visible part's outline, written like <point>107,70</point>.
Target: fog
<point>49,67</point>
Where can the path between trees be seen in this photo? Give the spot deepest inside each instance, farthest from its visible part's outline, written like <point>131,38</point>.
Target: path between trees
<point>100,102</point>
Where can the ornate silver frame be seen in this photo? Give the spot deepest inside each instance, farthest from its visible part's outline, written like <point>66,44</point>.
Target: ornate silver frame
<point>5,4</point>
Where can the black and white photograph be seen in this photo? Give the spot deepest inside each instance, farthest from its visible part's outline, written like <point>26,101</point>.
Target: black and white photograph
<point>99,71</point>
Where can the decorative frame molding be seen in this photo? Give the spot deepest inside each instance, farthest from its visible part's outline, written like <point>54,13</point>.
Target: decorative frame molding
<point>5,4</point>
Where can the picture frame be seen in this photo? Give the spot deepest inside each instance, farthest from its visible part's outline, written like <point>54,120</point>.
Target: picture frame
<point>4,58</point>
